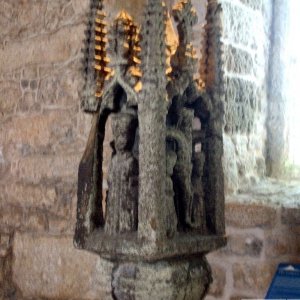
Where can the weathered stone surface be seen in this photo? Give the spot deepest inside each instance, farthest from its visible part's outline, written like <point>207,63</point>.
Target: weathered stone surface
<point>290,215</point>
<point>35,221</point>
<point>34,169</point>
<point>241,104</point>
<point>4,245</point>
<point>240,26</point>
<point>281,242</point>
<point>231,179</point>
<point>239,61</point>
<point>52,48</point>
<point>4,165</point>
<point>11,217</point>
<point>50,267</point>
<point>183,279</point>
<point>253,276</point>
<point>31,17</point>
<point>219,281</point>
<point>59,88</point>
<point>28,103</point>
<point>241,297</point>
<point>244,215</point>
<point>39,131</point>
<point>10,94</point>
<point>60,226</point>
<point>246,244</point>
<point>255,4</point>
<point>27,195</point>
<point>246,45</point>
<point>1,270</point>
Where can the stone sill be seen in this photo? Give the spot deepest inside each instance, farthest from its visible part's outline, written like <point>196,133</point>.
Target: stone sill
<point>269,192</point>
<point>129,247</point>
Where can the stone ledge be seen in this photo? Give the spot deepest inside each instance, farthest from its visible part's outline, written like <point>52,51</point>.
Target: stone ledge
<point>269,193</point>
<point>260,205</point>
<point>129,247</point>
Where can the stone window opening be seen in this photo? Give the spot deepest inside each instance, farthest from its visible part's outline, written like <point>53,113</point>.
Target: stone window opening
<point>283,149</point>
<point>293,104</point>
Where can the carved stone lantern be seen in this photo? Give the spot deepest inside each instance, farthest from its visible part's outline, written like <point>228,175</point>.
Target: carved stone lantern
<point>164,209</point>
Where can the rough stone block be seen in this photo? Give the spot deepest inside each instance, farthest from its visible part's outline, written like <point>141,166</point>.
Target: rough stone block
<point>241,104</point>
<point>28,103</point>
<point>10,94</point>
<point>241,26</point>
<point>230,167</point>
<point>4,165</point>
<point>253,276</point>
<point>290,216</point>
<point>255,4</point>
<point>282,242</point>
<point>1,271</point>
<point>4,245</point>
<point>246,244</point>
<point>60,226</point>
<point>35,221</point>
<point>34,169</point>
<point>28,195</point>
<point>39,131</point>
<point>244,215</point>
<point>219,281</point>
<point>11,217</point>
<point>239,61</point>
<point>49,267</point>
<point>51,48</point>
<point>27,18</point>
<point>60,88</point>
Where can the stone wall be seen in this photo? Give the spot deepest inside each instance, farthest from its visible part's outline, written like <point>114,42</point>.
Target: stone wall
<point>245,36</point>
<point>42,137</point>
<point>262,232</point>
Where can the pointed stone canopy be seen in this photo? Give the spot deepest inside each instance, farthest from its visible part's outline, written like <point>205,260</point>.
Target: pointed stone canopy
<point>185,14</point>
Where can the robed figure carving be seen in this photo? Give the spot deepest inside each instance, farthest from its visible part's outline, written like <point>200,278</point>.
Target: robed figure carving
<point>122,196</point>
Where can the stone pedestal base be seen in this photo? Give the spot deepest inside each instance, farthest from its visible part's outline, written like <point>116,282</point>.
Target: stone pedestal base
<point>178,279</point>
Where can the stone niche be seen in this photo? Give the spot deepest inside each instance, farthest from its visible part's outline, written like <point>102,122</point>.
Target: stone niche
<point>165,194</point>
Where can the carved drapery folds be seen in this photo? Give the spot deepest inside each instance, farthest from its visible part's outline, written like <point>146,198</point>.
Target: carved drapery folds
<point>165,182</point>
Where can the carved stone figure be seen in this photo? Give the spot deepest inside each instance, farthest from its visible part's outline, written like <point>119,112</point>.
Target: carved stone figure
<point>122,198</point>
<point>198,215</point>
<point>172,220</point>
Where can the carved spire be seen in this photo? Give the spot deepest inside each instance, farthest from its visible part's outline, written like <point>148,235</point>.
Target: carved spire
<point>134,56</point>
<point>95,58</point>
<point>101,60</point>
<point>89,102</point>
<point>154,44</point>
<point>186,16</point>
<point>171,42</point>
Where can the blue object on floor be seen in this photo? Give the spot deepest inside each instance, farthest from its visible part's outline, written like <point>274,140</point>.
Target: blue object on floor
<point>286,283</point>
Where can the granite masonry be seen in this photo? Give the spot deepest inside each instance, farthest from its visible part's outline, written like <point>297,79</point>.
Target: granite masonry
<point>43,134</point>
